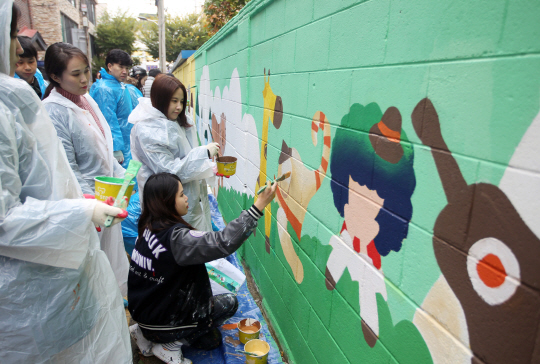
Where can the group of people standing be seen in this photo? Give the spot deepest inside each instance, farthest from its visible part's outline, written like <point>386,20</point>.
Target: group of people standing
<point>62,281</point>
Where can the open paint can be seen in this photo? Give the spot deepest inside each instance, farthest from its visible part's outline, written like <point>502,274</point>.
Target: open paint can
<point>259,347</point>
<point>248,329</point>
<point>226,165</point>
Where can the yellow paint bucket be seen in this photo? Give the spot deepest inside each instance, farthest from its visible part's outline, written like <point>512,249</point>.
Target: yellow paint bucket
<point>248,329</point>
<point>110,186</point>
<point>226,166</point>
<point>259,347</point>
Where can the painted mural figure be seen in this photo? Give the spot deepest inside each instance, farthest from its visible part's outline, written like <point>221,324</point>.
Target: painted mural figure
<point>296,192</point>
<point>372,184</point>
<point>273,112</point>
<point>488,255</point>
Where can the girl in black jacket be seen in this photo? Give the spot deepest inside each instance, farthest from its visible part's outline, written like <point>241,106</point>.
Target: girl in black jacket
<point>169,290</point>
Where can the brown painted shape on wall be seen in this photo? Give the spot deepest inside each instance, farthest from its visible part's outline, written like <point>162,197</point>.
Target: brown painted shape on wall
<point>385,136</point>
<point>501,332</point>
<point>219,132</point>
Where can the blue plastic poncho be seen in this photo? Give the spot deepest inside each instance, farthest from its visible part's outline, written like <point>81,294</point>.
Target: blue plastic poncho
<point>115,102</point>
<point>135,93</point>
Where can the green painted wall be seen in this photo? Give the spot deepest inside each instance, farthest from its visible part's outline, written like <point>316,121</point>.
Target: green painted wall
<point>449,194</point>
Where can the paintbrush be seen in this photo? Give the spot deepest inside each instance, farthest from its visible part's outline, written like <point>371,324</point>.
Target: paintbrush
<point>281,178</point>
<point>247,353</point>
<point>131,172</point>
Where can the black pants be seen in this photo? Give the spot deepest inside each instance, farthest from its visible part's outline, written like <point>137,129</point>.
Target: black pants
<point>224,306</point>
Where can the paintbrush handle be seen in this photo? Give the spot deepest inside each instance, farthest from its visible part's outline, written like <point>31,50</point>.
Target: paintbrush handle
<point>264,187</point>
<point>247,352</point>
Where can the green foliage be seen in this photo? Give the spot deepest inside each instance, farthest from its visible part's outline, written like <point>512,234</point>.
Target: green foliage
<point>115,31</point>
<point>97,64</point>
<point>181,33</point>
<point>219,12</point>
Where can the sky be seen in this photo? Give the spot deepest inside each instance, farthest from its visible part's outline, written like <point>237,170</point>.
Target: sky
<point>173,7</point>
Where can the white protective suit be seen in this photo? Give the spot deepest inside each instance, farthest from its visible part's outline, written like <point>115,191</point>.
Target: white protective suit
<point>59,302</point>
<point>162,145</point>
<point>90,154</point>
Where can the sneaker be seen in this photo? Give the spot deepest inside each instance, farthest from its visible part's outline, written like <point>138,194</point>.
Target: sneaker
<point>170,353</point>
<point>144,345</point>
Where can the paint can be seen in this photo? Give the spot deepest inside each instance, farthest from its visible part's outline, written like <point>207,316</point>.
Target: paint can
<point>259,347</point>
<point>110,186</point>
<point>226,165</point>
<point>248,329</point>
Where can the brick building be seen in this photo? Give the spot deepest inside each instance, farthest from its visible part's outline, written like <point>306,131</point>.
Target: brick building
<point>70,21</point>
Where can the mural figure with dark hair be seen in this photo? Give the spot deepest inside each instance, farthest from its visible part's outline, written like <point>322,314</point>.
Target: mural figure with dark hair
<point>372,184</point>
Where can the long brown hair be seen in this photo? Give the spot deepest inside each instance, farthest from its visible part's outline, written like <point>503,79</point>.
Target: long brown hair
<point>162,92</point>
<point>56,60</point>
<point>159,203</point>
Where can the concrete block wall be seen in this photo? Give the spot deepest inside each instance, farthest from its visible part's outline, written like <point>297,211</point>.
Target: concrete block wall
<point>409,229</point>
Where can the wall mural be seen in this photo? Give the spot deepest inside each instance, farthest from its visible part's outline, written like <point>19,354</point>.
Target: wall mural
<point>223,121</point>
<point>372,184</point>
<point>296,192</point>
<point>487,254</point>
<point>483,306</point>
<point>273,113</point>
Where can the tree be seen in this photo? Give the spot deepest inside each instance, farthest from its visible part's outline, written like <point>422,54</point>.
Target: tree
<point>219,12</point>
<point>114,31</point>
<point>181,33</point>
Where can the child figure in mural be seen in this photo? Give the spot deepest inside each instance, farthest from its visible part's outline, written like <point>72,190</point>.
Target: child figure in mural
<point>372,184</point>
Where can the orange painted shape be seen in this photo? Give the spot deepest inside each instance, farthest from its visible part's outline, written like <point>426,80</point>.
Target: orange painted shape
<point>317,180</point>
<point>491,271</point>
<point>327,141</point>
<point>295,223</point>
<point>314,127</point>
<point>389,133</point>
<point>324,164</point>
<point>229,326</point>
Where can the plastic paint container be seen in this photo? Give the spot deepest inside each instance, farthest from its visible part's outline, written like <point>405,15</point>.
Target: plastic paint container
<point>226,165</point>
<point>259,347</point>
<point>110,186</point>
<point>248,329</point>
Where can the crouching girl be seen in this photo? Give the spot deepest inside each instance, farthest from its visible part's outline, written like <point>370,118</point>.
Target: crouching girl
<point>169,290</point>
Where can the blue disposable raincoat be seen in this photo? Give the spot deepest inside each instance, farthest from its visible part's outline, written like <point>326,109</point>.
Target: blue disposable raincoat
<point>42,83</point>
<point>135,93</point>
<point>115,102</point>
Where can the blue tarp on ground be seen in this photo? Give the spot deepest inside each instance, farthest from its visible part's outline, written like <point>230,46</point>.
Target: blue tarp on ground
<point>247,308</point>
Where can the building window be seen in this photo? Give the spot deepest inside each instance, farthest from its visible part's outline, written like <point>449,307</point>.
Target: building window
<point>67,25</point>
<point>72,2</point>
<point>92,45</point>
<point>91,11</point>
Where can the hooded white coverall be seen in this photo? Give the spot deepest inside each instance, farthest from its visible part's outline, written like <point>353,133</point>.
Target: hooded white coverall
<point>162,145</point>
<point>90,154</point>
<point>59,302</point>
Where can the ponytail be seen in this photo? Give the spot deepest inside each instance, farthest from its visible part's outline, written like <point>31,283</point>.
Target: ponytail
<point>49,88</point>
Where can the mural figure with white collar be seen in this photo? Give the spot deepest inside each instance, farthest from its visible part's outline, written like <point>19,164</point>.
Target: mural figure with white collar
<point>372,184</point>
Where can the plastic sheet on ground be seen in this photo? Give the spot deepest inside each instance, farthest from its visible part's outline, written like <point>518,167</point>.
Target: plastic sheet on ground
<point>226,354</point>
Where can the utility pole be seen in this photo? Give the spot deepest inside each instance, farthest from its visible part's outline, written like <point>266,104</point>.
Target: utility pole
<point>161,32</point>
